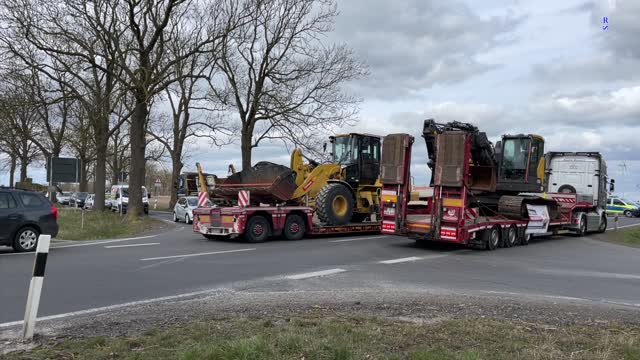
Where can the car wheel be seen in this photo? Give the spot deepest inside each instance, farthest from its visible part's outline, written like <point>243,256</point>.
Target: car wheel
<point>26,239</point>
<point>175,218</point>
<point>187,219</point>
<point>628,213</point>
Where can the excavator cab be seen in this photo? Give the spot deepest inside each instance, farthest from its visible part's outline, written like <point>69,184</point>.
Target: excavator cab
<point>520,161</point>
<point>359,155</point>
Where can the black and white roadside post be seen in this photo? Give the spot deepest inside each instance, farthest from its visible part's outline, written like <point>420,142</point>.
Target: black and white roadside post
<point>35,287</point>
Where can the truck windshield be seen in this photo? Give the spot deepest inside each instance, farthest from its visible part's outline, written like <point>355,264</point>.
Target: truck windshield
<point>345,150</point>
<point>514,158</point>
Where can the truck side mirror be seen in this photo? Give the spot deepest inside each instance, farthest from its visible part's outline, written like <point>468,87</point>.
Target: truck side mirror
<point>612,185</point>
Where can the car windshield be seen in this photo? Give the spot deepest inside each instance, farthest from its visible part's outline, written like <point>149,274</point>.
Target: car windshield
<point>82,195</point>
<point>192,201</point>
<point>125,192</point>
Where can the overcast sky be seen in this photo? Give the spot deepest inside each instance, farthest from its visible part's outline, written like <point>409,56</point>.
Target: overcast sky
<point>508,66</point>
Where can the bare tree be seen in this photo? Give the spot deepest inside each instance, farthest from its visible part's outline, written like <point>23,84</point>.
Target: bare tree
<point>191,116</point>
<point>77,37</point>
<point>279,77</point>
<point>80,138</point>
<point>150,65</point>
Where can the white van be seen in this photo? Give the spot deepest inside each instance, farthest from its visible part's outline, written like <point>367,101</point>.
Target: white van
<point>120,198</point>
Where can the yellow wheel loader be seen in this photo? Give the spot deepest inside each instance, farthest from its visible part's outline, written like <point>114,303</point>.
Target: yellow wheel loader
<point>345,189</point>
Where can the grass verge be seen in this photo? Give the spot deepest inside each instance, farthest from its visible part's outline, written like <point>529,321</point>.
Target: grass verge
<point>99,225</point>
<point>628,236</point>
<point>321,337</point>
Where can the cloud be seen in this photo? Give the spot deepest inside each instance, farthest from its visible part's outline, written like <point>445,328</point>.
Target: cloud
<point>414,44</point>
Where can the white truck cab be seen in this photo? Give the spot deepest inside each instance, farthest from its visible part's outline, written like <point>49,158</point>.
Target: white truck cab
<point>120,198</point>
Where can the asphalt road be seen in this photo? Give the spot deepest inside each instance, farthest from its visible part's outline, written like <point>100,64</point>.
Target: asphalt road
<point>86,275</point>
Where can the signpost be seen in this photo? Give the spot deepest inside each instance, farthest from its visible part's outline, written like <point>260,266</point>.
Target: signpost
<point>63,170</point>
<point>158,185</point>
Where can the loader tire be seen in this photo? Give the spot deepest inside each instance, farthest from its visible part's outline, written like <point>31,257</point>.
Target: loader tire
<point>334,204</point>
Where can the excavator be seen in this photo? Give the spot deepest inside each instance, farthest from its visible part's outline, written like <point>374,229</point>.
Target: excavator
<point>499,178</point>
<point>342,190</point>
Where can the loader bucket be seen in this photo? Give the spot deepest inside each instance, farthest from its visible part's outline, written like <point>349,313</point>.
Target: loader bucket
<point>267,183</point>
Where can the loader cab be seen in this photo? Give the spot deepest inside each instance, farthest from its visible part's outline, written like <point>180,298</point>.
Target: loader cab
<point>187,183</point>
<point>359,155</point>
<point>520,160</point>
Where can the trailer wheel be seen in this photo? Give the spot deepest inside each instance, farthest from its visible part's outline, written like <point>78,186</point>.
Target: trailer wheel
<point>524,240</point>
<point>294,227</point>
<point>512,237</point>
<point>492,238</point>
<point>258,229</point>
<point>603,224</point>
<point>582,227</point>
<point>334,204</point>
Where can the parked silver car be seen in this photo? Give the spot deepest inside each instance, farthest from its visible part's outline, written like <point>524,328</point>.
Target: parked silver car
<point>183,210</point>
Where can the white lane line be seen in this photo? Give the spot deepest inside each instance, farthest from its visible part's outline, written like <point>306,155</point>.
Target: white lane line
<point>357,239</point>
<point>85,243</point>
<point>623,226</point>
<point>130,245</point>
<point>401,260</point>
<point>314,274</point>
<point>413,258</point>
<point>588,273</point>
<point>197,254</point>
<point>113,307</point>
<point>98,242</point>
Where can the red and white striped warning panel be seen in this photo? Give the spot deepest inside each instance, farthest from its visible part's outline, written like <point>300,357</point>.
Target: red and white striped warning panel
<point>243,198</point>
<point>202,199</point>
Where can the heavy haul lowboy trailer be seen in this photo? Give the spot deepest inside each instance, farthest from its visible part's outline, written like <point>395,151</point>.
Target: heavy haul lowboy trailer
<point>259,223</point>
<point>467,209</point>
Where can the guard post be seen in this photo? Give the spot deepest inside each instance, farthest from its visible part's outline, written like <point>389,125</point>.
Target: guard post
<point>35,287</point>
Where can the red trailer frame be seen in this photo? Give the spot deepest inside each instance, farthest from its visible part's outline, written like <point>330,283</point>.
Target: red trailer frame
<point>221,222</point>
<point>447,217</point>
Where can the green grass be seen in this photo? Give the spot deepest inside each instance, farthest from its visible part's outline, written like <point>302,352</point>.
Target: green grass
<point>628,236</point>
<point>321,337</point>
<point>99,225</point>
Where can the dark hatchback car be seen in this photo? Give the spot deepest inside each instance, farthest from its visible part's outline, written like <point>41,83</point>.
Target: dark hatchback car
<point>78,199</point>
<point>24,215</point>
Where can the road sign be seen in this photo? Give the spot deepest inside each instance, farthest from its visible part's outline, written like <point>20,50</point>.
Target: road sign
<point>64,170</point>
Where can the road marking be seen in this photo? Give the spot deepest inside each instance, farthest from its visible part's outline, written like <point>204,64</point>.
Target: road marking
<point>130,245</point>
<point>314,274</point>
<point>197,254</point>
<point>623,226</point>
<point>586,273</point>
<point>85,243</point>
<point>98,242</point>
<point>114,307</point>
<point>412,258</point>
<point>357,239</point>
<point>401,260</point>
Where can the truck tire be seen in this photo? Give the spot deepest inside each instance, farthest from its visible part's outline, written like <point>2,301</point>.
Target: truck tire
<point>582,226</point>
<point>294,227</point>
<point>525,238</point>
<point>603,224</point>
<point>334,204</point>
<point>492,238</point>
<point>567,189</point>
<point>512,237</point>
<point>257,230</point>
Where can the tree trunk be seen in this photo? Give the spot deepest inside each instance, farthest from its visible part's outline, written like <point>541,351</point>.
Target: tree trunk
<point>102,142</point>
<point>138,146</point>
<point>175,173</point>
<point>84,182</point>
<point>245,146</point>
<point>24,161</point>
<point>12,169</point>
